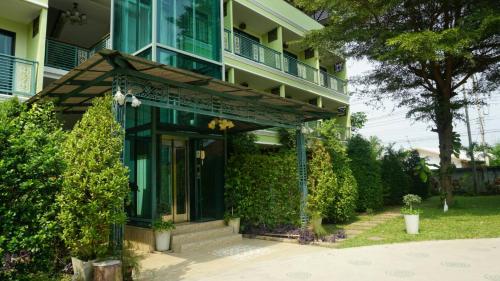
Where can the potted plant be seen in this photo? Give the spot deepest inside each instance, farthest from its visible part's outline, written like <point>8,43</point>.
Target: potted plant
<point>162,230</point>
<point>130,262</point>
<point>411,214</point>
<point>233,220</point>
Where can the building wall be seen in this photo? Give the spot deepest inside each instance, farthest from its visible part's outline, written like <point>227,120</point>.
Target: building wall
<point>27,46</point>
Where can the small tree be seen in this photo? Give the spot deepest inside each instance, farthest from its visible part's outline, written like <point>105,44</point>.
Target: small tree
<point>30,178</point>
<point>322,180</point>
<point>366,170</point>
<point>343,206</point>
<point>95,182</point>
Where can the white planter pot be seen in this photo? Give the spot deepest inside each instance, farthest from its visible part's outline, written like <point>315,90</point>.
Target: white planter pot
<point>411,222</point>
<point>82,270</point>
<point>235,224</point>
<point>162,240</point>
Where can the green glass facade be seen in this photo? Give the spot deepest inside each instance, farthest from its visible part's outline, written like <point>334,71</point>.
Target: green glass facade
<point>188,32</point>
<point>191,25</point>
<point>132,28</point>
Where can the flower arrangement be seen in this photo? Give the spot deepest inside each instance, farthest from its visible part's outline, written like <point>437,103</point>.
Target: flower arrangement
<point>224,124</point>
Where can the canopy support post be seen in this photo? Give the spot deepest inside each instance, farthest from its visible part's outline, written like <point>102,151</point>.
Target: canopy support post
<point>119,111</point>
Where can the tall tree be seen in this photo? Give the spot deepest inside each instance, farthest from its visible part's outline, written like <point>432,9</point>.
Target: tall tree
<point>424,51</point>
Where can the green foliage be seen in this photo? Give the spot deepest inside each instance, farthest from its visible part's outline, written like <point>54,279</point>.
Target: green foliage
<point>358,120</point>
<point>95,182</point>
<point>263,188</point>
<point>395,180</point>
<point>495,151</point>
<point>410,200</point>
<point>161,225</point>
<point>130,262</point>
<point>343,206</point>
<point>423,51</point>
<point>419,173</point>
<point>287,138</point>
<point>242,143</point>
<point>366,170</point>
<point>316,226</point>
<point>30,177</point>
<point>322,182</point>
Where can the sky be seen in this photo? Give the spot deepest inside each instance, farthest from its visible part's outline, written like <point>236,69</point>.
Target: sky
<point>391,126</point>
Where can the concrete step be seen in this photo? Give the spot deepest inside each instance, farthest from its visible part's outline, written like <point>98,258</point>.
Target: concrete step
<point>179,239</point>
<point>210,243</point>
<point>189,227</point>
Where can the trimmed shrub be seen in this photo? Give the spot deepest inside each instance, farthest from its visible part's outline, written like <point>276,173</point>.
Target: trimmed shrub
<point>322,182</point>
<point>30,177</point>
<point>95,182</point>
<point>395,180</point>
<point>263,189</point>
<point>366,170</point>
<point>343,207</point>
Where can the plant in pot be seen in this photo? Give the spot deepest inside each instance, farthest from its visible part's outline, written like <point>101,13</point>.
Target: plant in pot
<point>95,185</point>
<point>163,230</point>
<point>232,220</point>
<point>130,262</point>
<point>411,214</point>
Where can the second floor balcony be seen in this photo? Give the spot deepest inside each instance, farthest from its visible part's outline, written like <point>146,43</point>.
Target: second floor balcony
<point>65,56</point>
<point>240,45</point>
<point>17,76</point>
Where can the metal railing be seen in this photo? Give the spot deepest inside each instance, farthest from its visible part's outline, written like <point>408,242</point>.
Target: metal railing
<point>297,68</point>
<point>332,82</point>
<point>66,56</point>
<point>17,76</point>
<point>227,40</point>
<point>248,48</point>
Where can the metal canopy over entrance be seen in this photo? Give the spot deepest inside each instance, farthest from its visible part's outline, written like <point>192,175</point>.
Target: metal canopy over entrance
<point>164,86</point>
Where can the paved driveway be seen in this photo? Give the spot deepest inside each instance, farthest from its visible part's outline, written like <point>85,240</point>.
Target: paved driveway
<point>470,260</point>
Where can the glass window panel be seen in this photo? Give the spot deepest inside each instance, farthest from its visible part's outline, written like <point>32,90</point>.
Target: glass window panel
<point>164,189</point>
<point>189,63</point>
<point>191,25</point>
<point>132,25</point>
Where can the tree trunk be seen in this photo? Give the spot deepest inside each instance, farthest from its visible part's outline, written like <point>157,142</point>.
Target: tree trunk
<point>444,118</point>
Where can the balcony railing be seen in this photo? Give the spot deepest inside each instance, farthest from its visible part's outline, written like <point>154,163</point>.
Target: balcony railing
<point>17,76</point>
<point>66,56</point>
<point>297,68</point>
<point>248,48</point>
<point>329,81</point>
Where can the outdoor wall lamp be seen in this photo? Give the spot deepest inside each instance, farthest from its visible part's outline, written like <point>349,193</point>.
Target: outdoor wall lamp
<point>120,98</point>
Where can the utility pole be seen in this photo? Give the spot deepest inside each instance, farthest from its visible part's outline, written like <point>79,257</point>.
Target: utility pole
<point>481,132</point>
<point>471,145</point>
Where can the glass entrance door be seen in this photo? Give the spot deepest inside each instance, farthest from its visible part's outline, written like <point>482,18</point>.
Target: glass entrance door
<point>172,191</point>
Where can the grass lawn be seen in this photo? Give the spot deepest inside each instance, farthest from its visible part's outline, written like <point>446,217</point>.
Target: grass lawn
<point>471,217</point>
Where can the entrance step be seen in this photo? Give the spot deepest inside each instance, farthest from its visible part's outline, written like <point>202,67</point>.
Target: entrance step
<point>188,237</point>
<point>189,227</point>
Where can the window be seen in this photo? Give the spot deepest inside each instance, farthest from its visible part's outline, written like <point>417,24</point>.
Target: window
<point>191,25</point>
<point>132,25</point>
<point>7,42</point>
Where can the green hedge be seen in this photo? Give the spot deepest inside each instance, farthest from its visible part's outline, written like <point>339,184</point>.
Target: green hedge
<point>366,170</point>
<point>343,207</point>
<point>30,177</point>
<point>395,180</point>
<point>263,189</point>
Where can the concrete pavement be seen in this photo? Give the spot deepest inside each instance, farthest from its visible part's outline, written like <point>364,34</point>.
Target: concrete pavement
<point>454,260</point>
